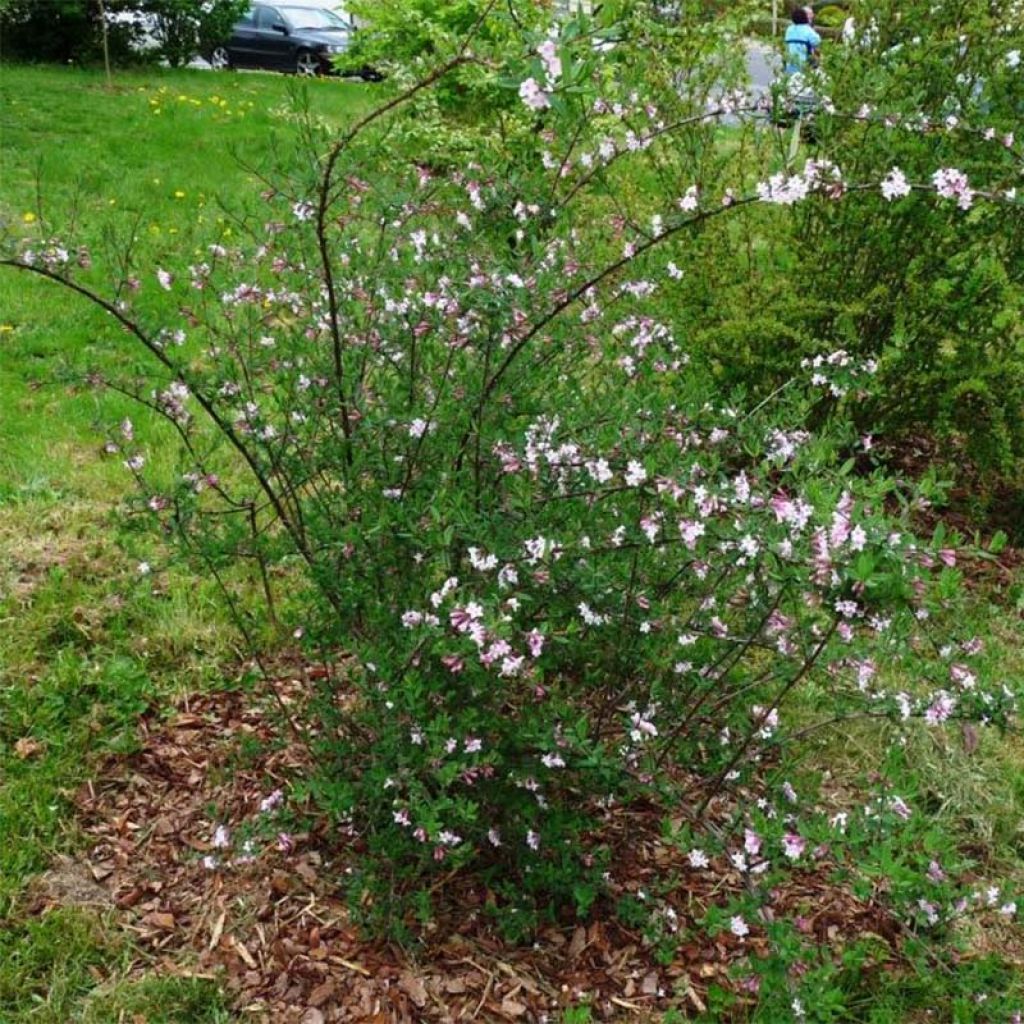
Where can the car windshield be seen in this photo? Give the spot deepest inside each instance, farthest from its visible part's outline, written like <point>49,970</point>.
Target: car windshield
<point>312,17</point>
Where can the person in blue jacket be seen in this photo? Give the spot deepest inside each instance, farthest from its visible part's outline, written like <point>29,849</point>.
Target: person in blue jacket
<point>802,42</point>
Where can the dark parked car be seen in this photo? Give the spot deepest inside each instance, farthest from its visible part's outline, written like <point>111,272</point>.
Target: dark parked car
<point>285,37</point>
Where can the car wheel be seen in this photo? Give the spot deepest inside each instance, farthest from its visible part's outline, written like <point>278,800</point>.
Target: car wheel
<point>307,63</point>
<point>220,59</point>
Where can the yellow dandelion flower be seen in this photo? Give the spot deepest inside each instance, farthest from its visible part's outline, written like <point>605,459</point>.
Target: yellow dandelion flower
<point>178,194</point>
<point>29,218</point>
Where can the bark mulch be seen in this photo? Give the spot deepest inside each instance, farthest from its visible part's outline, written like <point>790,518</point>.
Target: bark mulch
<point>276,929</point>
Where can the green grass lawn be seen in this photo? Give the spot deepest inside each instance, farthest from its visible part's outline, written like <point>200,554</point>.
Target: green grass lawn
<point>164,156</point>
<point>84,645</point>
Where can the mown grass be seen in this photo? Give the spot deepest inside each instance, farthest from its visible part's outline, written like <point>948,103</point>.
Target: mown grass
<point>86,643</point>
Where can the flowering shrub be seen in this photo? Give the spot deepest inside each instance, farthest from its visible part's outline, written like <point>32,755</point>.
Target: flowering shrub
<point>456,411</point>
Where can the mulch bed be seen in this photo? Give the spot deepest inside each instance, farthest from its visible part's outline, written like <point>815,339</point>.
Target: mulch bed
<point>278,932</point>
<point>977,505</point>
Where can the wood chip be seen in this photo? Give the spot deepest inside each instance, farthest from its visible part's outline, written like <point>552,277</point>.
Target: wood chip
<point>321,993</point>
<point>244,954</point>
<point>626,1006</point>
<point>162,922</point>
<point>358,968</point>
<point>698,1003</point>
<point>217,930</point>
<point>414,988</point>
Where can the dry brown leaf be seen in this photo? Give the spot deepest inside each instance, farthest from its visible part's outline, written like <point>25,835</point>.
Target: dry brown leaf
<point>102,871</point>
<point>649,986</point>
<point>510,1007</point>
<point>306,872</point>
<point>970,738</point>
<point>579,942</point>
<point>312,1016</point>
<point>414,988</point>
<point>27,747</point>
<point>162,922</point>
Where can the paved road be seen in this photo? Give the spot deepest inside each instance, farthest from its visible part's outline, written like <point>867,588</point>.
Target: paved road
<point>763,65</point>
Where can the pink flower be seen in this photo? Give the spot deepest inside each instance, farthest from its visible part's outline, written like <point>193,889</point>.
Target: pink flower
<point>636,474</point>
<point>689,201</point>
<point>535,642</point>
<point>267,804</point>
<point>941,708</point>
<point>690,531</point>
<point>697,858</point>
<point>739,927</point>
<point>533,95</point>
<point>951,183</point>
<point>900,808</point>
<point>895,185</point>
<point>548,52</point>
<point>460,618</point>
<point>793,845</point>
<point>821,558</point>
